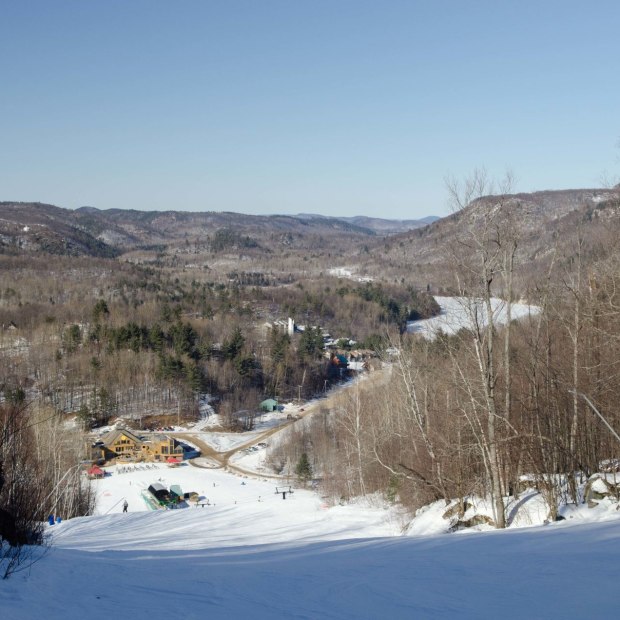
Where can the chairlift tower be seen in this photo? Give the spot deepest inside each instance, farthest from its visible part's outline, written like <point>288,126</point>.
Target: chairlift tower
<point>283,491</point>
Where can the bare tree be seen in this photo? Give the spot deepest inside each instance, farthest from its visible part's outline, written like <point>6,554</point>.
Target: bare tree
<point>485,251</point>
<point>21,489</point>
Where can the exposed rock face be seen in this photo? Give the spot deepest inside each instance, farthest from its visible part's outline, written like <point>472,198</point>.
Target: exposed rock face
<point>462,524</point>
<point>458,510</point>
<point>462,515</point>
<point>599,487</point>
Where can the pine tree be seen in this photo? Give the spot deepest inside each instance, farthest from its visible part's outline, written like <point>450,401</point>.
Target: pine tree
<point>100,310</point>
<point>233,346</point>
<point>303,468</point>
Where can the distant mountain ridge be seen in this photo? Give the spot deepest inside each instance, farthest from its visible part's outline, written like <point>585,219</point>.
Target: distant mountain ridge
<point>39,227</point>
<point>544,217</point>
<point>546,220</point>
<point>379,225</point>
<point>87,230</point>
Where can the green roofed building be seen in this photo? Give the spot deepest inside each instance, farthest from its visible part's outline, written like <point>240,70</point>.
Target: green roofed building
<point>269,405</point>
<point>176,494</point>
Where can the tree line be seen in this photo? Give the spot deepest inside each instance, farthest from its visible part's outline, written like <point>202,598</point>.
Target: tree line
<point>498,406</point>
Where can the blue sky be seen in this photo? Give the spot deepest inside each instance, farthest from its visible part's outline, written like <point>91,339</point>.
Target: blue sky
<point>333,107</point>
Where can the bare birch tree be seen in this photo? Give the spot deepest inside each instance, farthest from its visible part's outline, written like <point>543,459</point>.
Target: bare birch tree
<point>484,252</point>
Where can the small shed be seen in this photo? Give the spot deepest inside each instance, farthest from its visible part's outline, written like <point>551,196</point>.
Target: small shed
<point>269,405</point>
<point>95,473</point>
<point>176,494</point>
<point>159,491</point>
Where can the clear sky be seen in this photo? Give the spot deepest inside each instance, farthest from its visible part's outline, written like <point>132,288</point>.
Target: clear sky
<point>335,107</point>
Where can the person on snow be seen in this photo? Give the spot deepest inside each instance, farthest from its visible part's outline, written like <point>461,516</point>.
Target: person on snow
<point>125,506</point>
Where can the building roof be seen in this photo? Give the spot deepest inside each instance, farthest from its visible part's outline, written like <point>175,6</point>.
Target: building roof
<point>158,437</point>
<point>112,436</point>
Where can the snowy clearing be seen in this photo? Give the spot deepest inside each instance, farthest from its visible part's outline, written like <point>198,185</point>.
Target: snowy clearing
<point>263,420</point>
<point>223,442</point>
<point>461,312</point>
<point>348,272</point>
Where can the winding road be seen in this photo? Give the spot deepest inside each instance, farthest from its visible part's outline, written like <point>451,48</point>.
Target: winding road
<point>221,460</point>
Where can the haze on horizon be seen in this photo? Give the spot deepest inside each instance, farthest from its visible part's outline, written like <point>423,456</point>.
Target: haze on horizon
<point>347,108</point>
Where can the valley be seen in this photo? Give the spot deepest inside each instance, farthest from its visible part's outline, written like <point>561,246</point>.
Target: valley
<point>309,310</point>
<point>406,371</point>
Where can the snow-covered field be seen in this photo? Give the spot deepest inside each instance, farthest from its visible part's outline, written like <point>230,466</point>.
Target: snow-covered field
<point>461,312</point>
<point>348,272</point>
<point>251,554</point>
<point>222,442</point>
<point>262,421</point>
<point>253,459</point>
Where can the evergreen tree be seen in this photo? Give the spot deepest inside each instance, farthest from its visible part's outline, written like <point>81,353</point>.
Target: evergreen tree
<point>280,342</point>
<point>100,310</point>
<point>85,416</point>
<point>72,338</point>
<point>303,470</point>
<point>311,342</point>
<point>233,346</point>
<point>156,338</point>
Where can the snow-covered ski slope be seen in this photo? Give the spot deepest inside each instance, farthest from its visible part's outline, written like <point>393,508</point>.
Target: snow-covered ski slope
<point>551,572</point>
<point>304,558</point>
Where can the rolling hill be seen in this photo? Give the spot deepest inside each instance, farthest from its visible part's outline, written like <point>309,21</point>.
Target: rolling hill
<point>40,227</point>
